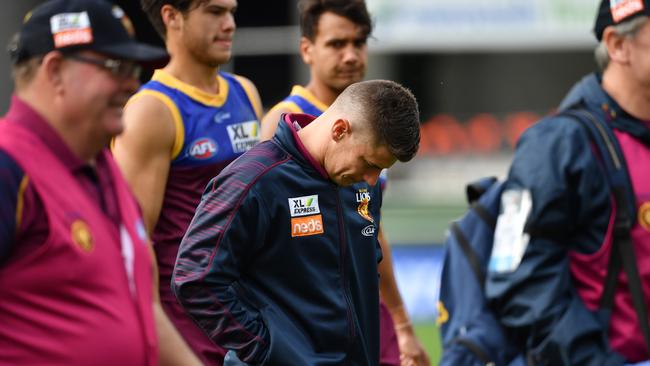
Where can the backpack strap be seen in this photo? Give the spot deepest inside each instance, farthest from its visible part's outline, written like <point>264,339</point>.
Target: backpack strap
<point>470,254</point>
<point>622,251</point>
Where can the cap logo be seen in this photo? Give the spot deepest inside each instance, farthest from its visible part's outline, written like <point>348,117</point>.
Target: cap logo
<point>126,22</point>
<point>70,29</point>
<point>622,9</point>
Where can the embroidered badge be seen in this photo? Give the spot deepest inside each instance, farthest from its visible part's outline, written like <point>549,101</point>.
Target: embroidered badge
<point>622,9</point>
<point>363,198</point>
<point>126,22</point>
<point>443,314</point>
<point>644,215</point>
<point>69,29</point>
<point>307,225</point>
<point>80,233</point>
<point>304,206</point>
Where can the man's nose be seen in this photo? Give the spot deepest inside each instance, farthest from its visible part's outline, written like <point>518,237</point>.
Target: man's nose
<point>350,53</point>
<point>371,177</point>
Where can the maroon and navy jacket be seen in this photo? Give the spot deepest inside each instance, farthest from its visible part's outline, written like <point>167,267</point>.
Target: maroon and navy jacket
<point>75,278</point>
<point>280,263</point>
<point>550,301</point>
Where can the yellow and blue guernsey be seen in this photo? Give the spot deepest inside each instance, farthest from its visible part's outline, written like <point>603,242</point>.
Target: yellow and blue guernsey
<point>302,100</point>
<point>211,131</point>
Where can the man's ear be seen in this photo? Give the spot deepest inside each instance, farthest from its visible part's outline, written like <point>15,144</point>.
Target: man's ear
<point>171,17</point>
<point>52,67</point>
<point>340,129</point>
<point>616,46</point>
<point>306,49</point>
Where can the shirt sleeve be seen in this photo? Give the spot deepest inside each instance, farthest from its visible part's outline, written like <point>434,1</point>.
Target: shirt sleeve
<point>11,176</point>
<point>536,300</point>
<point>227,227</point>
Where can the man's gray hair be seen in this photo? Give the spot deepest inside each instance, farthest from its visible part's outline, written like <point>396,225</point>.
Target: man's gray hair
<point>625,29</point>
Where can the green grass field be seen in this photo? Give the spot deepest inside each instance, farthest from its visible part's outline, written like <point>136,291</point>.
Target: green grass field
<point>430,337</point>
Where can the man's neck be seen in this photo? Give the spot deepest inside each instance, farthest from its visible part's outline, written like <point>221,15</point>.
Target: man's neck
<point>632,96</point>
<point>83,147</point>
<point>194,73</point>
<point>322,92</point>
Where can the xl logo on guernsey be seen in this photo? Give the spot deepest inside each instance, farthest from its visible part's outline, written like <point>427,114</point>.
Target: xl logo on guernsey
<point>203,148</point>
<point>305,216</point>
<point>243,135</point>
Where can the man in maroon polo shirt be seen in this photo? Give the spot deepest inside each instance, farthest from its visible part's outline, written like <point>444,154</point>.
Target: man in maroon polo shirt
<point>76,280</point>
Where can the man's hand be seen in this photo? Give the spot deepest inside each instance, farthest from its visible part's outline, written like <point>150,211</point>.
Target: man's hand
<point>411,351</point>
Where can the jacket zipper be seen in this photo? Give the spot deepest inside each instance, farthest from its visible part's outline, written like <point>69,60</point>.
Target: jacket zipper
<point>344,279</point>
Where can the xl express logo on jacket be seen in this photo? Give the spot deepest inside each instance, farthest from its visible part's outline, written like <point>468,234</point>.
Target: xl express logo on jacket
<point>305,216</point>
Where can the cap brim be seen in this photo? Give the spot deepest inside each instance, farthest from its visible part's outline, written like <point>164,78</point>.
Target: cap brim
<point>142,53</point>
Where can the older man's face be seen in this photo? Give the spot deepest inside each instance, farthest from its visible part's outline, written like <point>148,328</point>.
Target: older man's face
<point>95,96</point>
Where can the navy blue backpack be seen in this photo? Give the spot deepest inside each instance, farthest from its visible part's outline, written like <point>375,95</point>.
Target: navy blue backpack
<point>472,335</point>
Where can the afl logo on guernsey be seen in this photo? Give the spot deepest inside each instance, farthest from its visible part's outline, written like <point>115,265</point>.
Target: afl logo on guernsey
<point>203,148</point>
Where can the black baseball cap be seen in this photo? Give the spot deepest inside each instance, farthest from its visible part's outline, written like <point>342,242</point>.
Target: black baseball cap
<point>75,25</point>
<point>612,12</point>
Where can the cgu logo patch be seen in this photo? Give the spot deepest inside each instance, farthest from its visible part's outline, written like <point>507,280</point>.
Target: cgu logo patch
<point>306,225</point>
<point>644,215</point>
<point>80,234</point>
<point>363,198</point>
<point>203,148</point>
<point>303,206</point>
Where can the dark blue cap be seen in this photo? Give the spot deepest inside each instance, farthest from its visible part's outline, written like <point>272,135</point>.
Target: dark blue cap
<point>75,25</point>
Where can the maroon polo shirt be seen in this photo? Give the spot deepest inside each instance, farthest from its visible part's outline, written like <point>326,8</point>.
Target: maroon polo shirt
<point>31,229</point>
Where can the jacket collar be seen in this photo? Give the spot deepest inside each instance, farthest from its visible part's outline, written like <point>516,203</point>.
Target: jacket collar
<point>287,137</point>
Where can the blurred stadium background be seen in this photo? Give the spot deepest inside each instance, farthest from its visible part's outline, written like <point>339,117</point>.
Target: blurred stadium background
<point>482,70</point>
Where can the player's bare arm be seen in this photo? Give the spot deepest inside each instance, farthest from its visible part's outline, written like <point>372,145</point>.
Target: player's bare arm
<point>411,350</point>
<point>144,152</point>
<point>253,94</point>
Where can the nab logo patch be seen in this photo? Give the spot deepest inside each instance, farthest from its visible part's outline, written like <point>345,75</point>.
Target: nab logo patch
<point>303,206</point>
<point>203,148</point>
<point>243,136</point>
<point>307,225</point>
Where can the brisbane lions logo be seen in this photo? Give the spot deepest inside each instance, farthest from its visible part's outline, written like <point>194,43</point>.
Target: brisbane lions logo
<point>363,197</point>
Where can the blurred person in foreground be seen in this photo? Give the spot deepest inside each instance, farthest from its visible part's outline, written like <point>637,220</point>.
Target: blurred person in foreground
<point>334,46</point>
<point>279,264</point>
<point>76,275</point>
<point>181,129</point>
<point>561,220</point>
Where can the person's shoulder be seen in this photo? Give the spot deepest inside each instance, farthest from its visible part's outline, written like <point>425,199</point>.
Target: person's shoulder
<point>256,162</point>
<point>556,128</point>
<point>10,171</point>
<point>154,109</point>
<point>13,181</point>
